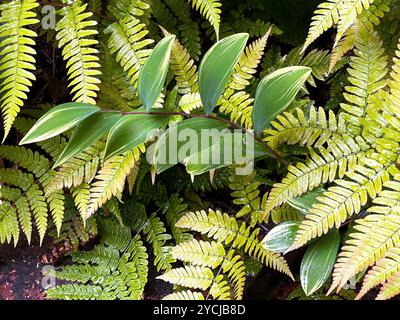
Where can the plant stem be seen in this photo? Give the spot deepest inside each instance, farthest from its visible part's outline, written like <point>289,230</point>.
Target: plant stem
<point>276,154</point>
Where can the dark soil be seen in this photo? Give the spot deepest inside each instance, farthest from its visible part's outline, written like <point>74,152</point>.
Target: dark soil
<point>20,271</point>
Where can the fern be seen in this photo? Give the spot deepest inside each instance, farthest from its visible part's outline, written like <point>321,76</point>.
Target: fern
<point>16,57</point>
<point>76,39</point>
<point>112,270</point>
<point>211,10</point>
<point>127,40</point>
<point>30,202</point>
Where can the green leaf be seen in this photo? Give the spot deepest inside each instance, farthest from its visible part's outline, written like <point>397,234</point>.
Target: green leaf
<point>318,262</point>
<point>217,66</point>
<point>154,72</point>
<point>169,149</point>
<point>58,120</point>
<point>281,237</point>
<point>88,132</point>
<point>275,92</point>
<point>132,130</point>
<point>232,149</point>
<point>306,201</point>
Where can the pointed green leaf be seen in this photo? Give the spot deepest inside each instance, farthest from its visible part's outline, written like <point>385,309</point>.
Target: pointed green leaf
<point>58,120</point>
<point>217,66</point>
<point>318,262</point>
<point>171,147</point>
<point>88,132</point>
<point>154,72</point>
<point>132,130</point>
<point>275,92</point>
<point>281,237</point>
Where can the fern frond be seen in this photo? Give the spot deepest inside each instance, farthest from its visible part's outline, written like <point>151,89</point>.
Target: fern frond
<point>343,200</point>
<point>295,128</point>
<point>185,295</point>
<point>381,271</point>
<point>128,42</point>
<point>322,166</point>
<point>365,247</point>
<point>81,168</point>
<point>367,73</point>
<point>285,213</point>
<point>326,15</point>
<point>346,44</point>
<point>223,228</point>
<point>390,289</point>
<point>210,9</point>
<point>190,277</point>
<point>248,63</point>
<point>200,253</point>
<point>75,292</point>
<point>190,102</point>
<point>348,15</point>
<point>238,106</point>
<point>16,57</point>
<point>110,180</point>
<point>75,37</point>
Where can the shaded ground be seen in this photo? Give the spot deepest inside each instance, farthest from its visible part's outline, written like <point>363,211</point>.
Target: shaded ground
<point>20,271</point>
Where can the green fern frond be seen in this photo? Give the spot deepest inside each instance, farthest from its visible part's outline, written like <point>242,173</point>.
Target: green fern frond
<point>285,213</point>
<point>75,292</point>
<point>75,37</point>
<point>16,57</point>
<point>210,9</point>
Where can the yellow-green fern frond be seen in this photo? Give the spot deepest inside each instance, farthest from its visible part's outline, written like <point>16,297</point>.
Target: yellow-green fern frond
<point>184,67</point>
<point>346,44</point>
<point>110,180</point>
<point>223,228</point>
<point>366,75</point>
<point>285,213</point>
<point>345,199</point>
<point>238,106</point>
<point>190,102</point>
<point>348,15</point>
<point>248,63</point>
<point>81,168</point>
<point>388,201</point>
<point>390,289</point>
<point>128,42</point>
<point>210,9</point>
<point>185,295</point>
<point>295,128</point>
<point>75,37</point>
<point>194,277</point>
<point>16,57</point>
<point>321,167</point>
<point>246,194</point>
<point>381,271</point>
<point>200,253</point>
<point>326,15</point>
<point>375,235</point>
